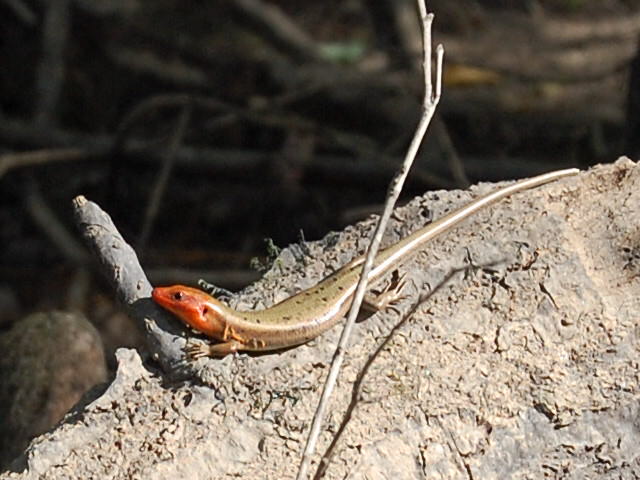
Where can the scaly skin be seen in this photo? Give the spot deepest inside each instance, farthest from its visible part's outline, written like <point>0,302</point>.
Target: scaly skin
<point>311,312</point>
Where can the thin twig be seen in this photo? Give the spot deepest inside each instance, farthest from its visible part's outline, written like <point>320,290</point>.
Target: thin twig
<point>279,28</point>
<point>429,105</point>
<point>160,186</point>
<point>9,161</point>
<point>213,160</point>
<point>46,219</point>
<point>51,70</point>
<point>449,152</point>
<point>164,101</point>
<point>22,11</point>
<point>156,64</point>
<point>359,381</point>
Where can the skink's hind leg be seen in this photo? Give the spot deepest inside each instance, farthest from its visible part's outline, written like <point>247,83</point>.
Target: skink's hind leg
<point>387,298</point>
<point>198,350</point>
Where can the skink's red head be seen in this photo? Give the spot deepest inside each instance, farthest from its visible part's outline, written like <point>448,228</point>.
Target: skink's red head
<point>194,307</point>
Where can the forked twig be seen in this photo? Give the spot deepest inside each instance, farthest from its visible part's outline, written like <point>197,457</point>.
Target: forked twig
<point>395,187</point>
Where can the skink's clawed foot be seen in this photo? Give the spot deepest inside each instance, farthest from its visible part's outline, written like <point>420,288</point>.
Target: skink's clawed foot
<point>389,297</point>
<point>391,304</point>
<point>397,283</point>
<point>196,350</point>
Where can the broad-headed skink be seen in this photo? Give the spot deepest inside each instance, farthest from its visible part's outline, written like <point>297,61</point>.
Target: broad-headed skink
<point>311,312</point>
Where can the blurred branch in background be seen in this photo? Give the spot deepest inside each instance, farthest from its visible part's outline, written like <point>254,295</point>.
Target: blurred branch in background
<point>22,11</point>
<point>51,70</point>
<point>297,115</point>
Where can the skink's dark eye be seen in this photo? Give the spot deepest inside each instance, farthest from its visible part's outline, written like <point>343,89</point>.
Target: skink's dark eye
<point>177,296</point>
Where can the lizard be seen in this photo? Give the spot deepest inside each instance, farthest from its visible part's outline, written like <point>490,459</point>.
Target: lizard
<point>313,311</point>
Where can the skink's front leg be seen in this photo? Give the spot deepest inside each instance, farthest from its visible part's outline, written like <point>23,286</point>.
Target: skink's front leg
<point>214,350</point>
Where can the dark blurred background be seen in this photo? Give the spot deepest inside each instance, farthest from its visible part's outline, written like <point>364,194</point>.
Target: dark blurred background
<point>205,127</point>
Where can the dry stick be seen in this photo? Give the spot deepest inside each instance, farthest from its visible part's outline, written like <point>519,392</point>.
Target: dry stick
<point>280,28</point>
<point>163,101</point>
<point>22,11</point>
<point>363,372</point>
<point>57,233</point>
<point>51,68</point>
<point>211,159</point>
<point>160,185</point>
<point>396,19</point>
<point>119,263</point>
<point>9,161</point>
<point>429,106</point>
<point>451,154</point>
<point>360,145</point>
<point>138,60</point>
<point>67,245</point>
<point>379,163</point>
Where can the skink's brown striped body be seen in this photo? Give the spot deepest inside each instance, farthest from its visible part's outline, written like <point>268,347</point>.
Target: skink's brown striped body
<point>313,311</point>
